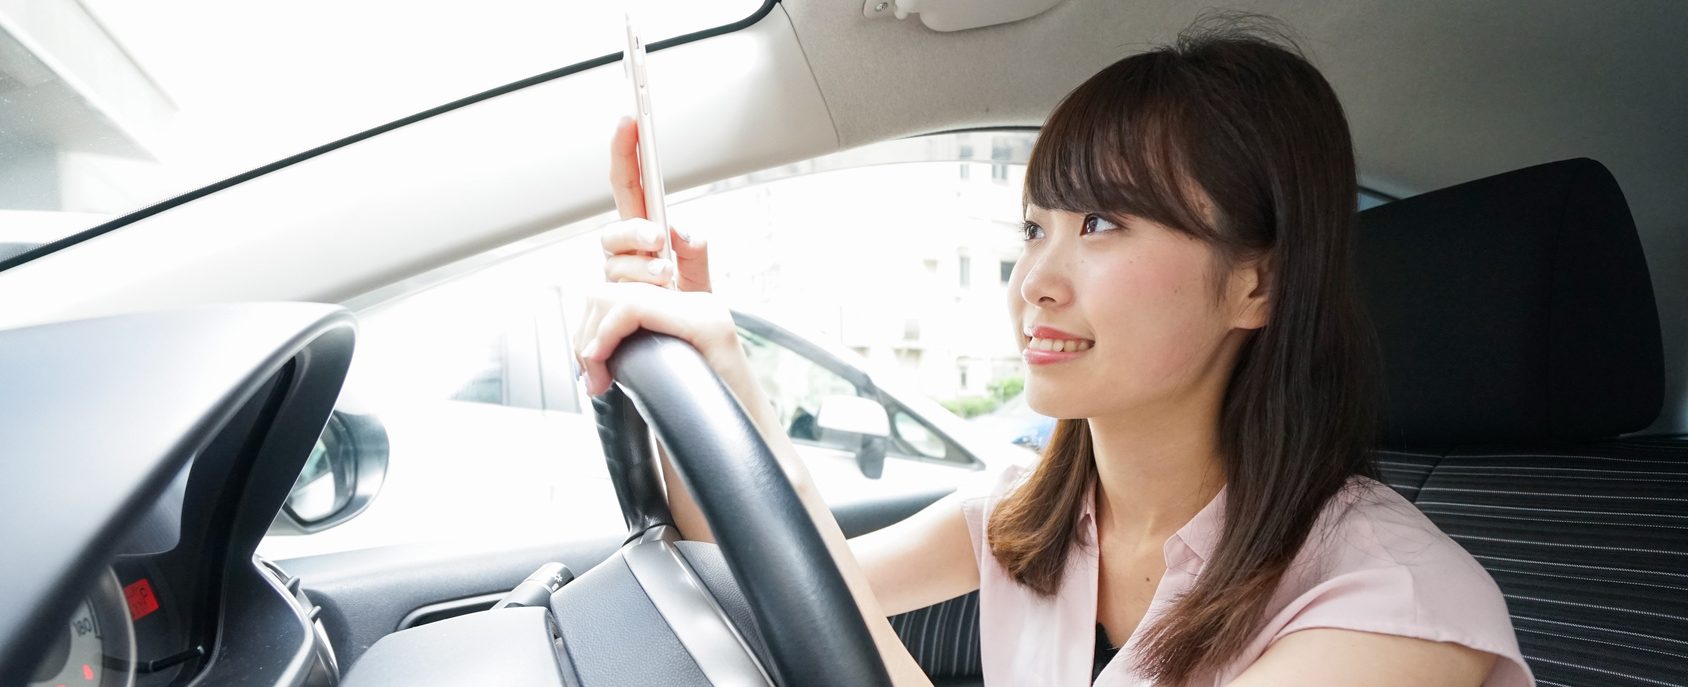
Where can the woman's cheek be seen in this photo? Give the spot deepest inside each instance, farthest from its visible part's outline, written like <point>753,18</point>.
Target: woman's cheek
<point>1170,333</point>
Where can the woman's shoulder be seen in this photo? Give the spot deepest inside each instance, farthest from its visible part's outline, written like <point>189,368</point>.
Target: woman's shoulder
<point>979,495</point>
<point>1369,528</point>
<point>983,490</point>
<point>1370,525</point>
<point>1375,563</point>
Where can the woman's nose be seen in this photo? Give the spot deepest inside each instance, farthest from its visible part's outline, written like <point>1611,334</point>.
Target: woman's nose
<point>1043,279</point>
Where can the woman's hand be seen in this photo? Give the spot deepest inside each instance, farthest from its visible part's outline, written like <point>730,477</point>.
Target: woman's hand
<point>614,311</point>
<point>619,309</point>
<point>631,245</point>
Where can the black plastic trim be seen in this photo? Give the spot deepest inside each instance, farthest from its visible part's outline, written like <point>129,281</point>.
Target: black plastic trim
<point>243,417</point>
<point>190,196</point>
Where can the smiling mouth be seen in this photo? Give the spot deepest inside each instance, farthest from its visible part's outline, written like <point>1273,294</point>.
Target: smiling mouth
<point>1059,345</point>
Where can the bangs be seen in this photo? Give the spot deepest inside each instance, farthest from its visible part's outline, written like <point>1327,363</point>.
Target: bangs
<point>1117,146</point>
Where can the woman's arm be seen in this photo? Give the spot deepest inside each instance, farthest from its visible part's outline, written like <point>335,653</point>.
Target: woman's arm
<point>923,560</point>
<point>1365,659</point>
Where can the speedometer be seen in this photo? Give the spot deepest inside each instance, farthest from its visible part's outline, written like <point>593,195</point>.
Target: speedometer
<point>96,647</point>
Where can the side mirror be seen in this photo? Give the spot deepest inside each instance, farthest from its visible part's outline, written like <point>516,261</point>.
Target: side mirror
<point>859,422</point>
<point>342,475</point>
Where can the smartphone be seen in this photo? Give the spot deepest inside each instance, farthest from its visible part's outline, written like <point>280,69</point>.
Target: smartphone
<point>650,172</point>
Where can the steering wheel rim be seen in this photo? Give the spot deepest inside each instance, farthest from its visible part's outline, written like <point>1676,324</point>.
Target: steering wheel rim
<point>773,550</point>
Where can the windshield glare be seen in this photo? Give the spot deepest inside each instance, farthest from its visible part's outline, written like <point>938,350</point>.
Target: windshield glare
<point>108,106</point>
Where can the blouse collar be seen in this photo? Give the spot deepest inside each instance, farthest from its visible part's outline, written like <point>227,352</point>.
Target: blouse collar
<point>1194,542</point>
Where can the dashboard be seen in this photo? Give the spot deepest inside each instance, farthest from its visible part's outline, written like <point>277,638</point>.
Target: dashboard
<point>152,452</point>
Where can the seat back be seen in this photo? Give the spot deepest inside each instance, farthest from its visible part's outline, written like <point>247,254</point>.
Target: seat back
<point>1521,340</point>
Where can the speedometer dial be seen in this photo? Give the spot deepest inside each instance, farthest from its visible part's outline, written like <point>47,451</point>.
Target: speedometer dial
<point>95,648</point>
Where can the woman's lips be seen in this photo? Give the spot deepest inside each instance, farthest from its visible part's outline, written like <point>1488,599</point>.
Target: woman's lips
<point>1038,356</point>
<point>1047,345</point>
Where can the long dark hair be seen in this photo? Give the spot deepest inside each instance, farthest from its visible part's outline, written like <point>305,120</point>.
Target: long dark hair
<point>1232,136</point>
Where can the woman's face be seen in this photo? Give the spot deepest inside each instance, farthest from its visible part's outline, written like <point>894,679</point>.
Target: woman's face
<point>1131,309</point>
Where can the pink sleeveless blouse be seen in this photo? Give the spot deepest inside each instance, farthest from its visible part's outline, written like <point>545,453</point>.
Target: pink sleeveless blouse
<point>1373,563</point>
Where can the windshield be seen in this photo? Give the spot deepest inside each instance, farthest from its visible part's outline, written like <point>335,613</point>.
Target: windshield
<point>108,106</point>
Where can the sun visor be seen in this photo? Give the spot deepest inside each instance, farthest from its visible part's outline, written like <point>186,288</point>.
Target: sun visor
<point>958,15</point>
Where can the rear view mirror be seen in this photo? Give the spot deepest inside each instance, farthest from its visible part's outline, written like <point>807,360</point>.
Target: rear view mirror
<point>856,422</point>
<point>342,475</point>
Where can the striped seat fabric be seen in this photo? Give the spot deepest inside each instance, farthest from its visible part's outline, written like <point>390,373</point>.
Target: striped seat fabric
<point>1589,542</point>
<point>944,638</point>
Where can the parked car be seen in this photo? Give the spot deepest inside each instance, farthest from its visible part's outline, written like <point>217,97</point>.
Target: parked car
<point>1017,424</point>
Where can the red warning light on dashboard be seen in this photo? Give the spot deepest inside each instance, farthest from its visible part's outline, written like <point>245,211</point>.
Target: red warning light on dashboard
<point>141,600</point>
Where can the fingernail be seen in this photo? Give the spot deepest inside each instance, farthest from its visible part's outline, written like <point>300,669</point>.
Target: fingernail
<point>656,267</point>
<point>590,350</point>
<point>683,234</point>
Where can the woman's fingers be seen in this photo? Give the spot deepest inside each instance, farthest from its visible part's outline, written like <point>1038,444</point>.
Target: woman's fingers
<point>625,184</point>
<point>638,235</point>
<point>692,255</point>
<point>630,244</point>
<point>637,268</point>
<point>588,328</point>
<point>618,310</point>
<point>618,322</point>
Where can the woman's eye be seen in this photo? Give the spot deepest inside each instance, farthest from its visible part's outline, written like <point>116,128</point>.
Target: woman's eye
<point>1095,223</point>
<point>1030,230</point>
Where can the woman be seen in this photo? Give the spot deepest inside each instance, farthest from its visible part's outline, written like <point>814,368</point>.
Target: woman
<point>1187,305</point>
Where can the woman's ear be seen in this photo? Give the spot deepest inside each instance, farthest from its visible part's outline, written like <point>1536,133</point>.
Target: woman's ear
<point>1251,294</point>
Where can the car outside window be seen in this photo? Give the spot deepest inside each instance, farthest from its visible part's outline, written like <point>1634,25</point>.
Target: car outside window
<point>467,340</point>
<point>795,385</point>
<point>857,257</point>
<point>110,106</point>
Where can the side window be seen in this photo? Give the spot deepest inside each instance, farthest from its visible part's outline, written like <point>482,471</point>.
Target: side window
<point>899,251</point>
<point>795,385</point>
<point>465,340</point>
<point>912,438</point>
<point>489,384</point>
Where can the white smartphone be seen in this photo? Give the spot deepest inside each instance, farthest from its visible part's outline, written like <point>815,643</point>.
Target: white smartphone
<point>650,172</point>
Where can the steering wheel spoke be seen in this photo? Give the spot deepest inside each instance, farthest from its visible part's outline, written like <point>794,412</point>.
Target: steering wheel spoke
<point>808,620</point>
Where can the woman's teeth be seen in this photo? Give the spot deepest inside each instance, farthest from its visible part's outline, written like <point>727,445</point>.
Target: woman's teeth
<point>1060,345</point>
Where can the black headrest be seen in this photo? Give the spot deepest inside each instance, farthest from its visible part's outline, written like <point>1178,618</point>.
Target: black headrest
<point>1513,308</point>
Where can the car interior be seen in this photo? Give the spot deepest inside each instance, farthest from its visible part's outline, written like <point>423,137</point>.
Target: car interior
<point>1527,276</point>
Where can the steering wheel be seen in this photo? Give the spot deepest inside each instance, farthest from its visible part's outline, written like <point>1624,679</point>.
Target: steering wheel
<point>811,629</point>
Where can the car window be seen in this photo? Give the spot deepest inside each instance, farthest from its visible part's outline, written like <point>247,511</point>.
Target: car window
<point>796,386</point>
<point>916,437</point>
<point>889,257</point>
<point>896,251</point>
<point>469,340</point>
